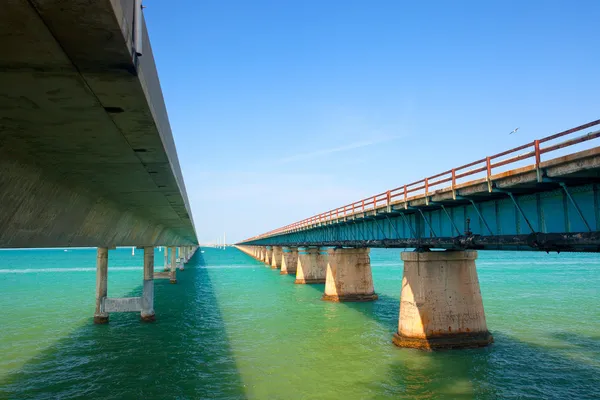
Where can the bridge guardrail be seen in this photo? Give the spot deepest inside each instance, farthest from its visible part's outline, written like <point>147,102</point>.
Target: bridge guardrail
<point>422,188</point>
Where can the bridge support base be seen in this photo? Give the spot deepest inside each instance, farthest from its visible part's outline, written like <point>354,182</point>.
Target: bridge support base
<point>106,305</point>
<point>101,316</point>
<point>276,258</point>
<point>173,276</point>
<point>311,266</point>
<point>166,266</point>
<point>440,304</point>
<point>268,255</point>
<point>349,276</point>
<point>289,261</point>
<point>147,313</point>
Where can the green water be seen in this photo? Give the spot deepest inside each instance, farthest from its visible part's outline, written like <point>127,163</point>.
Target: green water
<point>233,329</point>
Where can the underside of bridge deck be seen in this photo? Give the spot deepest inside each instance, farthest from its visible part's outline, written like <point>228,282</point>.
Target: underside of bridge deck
<point>86,151</point>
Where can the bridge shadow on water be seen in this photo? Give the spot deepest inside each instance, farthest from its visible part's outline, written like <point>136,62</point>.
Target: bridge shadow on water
<point>184,354</point>
<point>509,368</point>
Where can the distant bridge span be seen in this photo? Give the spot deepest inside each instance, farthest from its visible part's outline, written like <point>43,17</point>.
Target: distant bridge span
<point>491,203</point>
<point>548,205</point>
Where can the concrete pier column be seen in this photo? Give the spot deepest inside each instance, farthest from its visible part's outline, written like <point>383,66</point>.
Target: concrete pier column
<point>166,258</point>
<point>276,259</point>
<point>173,277</point>
<point>262,253</point>
<point>268,255</point>
<point>147,312</point>
<point>289,261</point>
<point>100,316</point>
<point>440,304</point>
<point>182,259</point>
<point>349,275</point>
<point>311,267</point>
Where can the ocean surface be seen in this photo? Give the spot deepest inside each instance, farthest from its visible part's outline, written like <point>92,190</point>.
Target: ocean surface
<point>233,329</point>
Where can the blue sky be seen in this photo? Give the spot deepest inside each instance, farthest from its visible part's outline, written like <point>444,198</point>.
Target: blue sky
<point>284,109</point>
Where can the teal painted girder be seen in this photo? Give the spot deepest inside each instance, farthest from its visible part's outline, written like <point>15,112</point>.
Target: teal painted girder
<point>561,218</point>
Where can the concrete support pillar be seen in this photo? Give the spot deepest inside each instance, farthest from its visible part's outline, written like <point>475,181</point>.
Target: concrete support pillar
<point>440,304</point>
<point>311,267</point>
<point>181,259</point>
<point>349,275</point>
<point>289,261</point>
<point>147,312</point>
<point>166,258</point>
<point>100,316</point>
<point>173,277</point>
<point>262,253</point>
<point>268,255</point>
<point>276,259</point>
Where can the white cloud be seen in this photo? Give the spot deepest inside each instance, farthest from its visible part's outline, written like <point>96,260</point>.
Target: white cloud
<point>323,152</point>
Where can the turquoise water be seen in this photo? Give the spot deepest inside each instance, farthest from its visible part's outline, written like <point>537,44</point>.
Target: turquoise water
<point>233,329</point>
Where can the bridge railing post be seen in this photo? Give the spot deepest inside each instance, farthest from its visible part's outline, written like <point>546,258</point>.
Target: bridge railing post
<point>489,173</point>
<point>536,145</point>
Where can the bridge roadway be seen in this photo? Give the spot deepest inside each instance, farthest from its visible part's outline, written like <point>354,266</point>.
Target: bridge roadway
<point>87,157</point>
<point>519,199</point>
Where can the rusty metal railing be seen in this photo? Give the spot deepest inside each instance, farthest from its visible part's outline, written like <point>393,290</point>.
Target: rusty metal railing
<point>423,188</point>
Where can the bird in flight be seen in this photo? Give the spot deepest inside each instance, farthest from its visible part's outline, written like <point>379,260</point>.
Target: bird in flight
<point>514,131</point>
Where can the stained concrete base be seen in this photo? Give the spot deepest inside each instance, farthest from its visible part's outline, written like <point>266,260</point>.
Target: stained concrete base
<point>308,281</point>
<point>311,266</point>
<point>441,305</point>
<point>162,275</point>
<point>101,319</point>
<point>456,341</point>
<point>349,276</point>
<point>148,318</point>
<point>289,261</point>
<point>350,297</point>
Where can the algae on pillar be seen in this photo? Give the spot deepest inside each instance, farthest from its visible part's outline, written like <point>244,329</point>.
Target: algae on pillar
<point>289,260</point>
<point>173,277</point>
<point>100,316</point>
<point>147,313</point>
<point>276,259</point>
<point>311,266</point>
<point>349,275</point>
<point>441,305</point>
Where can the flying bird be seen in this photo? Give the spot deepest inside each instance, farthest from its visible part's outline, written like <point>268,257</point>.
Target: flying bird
<point>514,131</point>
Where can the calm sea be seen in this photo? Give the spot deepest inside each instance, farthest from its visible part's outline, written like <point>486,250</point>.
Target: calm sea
<point>234,329</point>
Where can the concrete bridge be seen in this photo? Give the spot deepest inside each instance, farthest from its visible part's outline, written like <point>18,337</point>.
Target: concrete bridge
<point>86,150</point>
<point>520,199</point>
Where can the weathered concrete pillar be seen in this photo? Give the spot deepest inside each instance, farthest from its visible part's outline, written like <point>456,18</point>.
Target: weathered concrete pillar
<point>289,261</point>
<point>310,266</point>
<point>166,258</point>
<point>440,304</point>
<point>147,312</point>
<point>349,275</point>
<point>276,259</point>
<point>173,277</point>
<point>262,253</point>
<point>181,259</point>
<point>268,255</point>
<point>100,316</point>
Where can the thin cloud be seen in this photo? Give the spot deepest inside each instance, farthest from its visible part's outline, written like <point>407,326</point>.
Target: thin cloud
<point>323,152</point>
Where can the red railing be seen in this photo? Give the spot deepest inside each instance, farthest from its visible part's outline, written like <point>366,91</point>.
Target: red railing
<point>422,188</point>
